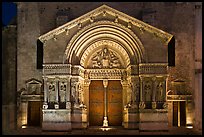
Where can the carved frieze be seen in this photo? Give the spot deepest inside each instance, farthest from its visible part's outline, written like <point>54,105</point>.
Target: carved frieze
<point>106,10</point>
<point>56,69</point>
<point>156,68</point>
<point>105,73</point>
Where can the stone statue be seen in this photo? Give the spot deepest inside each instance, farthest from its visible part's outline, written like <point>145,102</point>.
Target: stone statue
<point>62,92</point>
<point>51,92</point>
<point>33,89</point>
<point>160,90</point>
<point>73,90</point>
<point>147,91</point>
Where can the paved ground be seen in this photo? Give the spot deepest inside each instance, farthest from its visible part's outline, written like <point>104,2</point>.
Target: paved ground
<point>98,131</point>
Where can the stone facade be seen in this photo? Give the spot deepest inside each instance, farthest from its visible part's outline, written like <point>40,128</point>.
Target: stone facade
<point>147,79</point>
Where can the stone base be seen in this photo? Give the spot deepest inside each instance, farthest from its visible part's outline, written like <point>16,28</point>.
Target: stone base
<point>131,118</point>
<point>56,120</point>
<point>79,118</point>
<point>55,126</point>
<point>153,120</point>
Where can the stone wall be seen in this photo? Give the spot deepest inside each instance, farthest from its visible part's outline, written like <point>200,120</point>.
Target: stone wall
<point>9,47</point>
<point>28,32</point>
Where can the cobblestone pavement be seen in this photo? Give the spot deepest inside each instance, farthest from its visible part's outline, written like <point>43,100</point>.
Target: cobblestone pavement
<point>99,131</point>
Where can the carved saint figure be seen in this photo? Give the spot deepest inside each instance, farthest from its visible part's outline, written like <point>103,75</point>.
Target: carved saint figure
<point>62,91</point>
<point>33,89</point>
<point>73,91</point>
<point>147,90</point>
<point>52,92</point>
<point>160,90</point>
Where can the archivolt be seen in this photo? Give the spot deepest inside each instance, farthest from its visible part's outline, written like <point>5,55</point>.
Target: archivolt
<point>106,30</point>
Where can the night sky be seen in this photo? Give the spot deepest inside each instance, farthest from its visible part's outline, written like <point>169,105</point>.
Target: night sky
<point>9,11</point>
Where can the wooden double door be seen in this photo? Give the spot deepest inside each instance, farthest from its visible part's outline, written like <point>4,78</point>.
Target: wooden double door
<point>113,100</point>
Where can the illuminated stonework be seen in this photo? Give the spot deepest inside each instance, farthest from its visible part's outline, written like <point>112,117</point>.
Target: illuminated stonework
<point>104,45</point>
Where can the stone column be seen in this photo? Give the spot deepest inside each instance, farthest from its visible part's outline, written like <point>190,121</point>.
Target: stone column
<point>141,104</point>
<point>141,89</point>
<point>154,92</point>
<point>105,120</point>
<point>68,102</point>
<point>87,83</point>
<point>45,104</point>
<point>57,93</point>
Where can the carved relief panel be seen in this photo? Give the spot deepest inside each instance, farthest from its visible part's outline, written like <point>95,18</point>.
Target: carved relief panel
<point>51,91</point>
<point>62,91</point>
<point>81,92</point>
<point>136,89</point>
<point>105,58</point>
<point>34,87</point>
<point>161,89</point>
<point>147,89</point>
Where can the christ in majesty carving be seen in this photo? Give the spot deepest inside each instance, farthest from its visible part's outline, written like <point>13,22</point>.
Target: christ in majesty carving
<point>105,59</point>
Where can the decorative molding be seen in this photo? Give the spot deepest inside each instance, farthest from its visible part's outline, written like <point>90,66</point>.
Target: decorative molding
<point>56,69</point>
<point>105,73</point>
<point>156,68</point>
<point>114,29</point>
<point>179,97</point>
<point>105,10</point>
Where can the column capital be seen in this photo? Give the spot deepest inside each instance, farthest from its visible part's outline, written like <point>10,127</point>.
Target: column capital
<point>105,83</point>
<point>142,105</point>
<point>87,82</point>
<point>124,82</point>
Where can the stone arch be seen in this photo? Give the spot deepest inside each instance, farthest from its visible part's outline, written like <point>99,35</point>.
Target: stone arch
<point>105,30</point>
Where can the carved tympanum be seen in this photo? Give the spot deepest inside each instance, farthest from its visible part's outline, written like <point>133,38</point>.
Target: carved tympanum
<point>105,59</point>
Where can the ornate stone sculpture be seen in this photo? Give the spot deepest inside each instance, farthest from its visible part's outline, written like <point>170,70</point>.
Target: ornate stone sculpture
<point>154,105</point>
<point>147,91</point>
<point>51,89</point>
<point>33,89</point>
<point>62,93</point>
<point>165,105</point>
<point>142,105</point>
<point>160,91</point>
<point>105,59</point>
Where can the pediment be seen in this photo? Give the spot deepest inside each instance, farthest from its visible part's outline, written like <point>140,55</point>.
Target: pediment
<point>105,12</point>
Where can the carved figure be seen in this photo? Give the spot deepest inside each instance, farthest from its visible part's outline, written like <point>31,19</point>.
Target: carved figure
<point>62,91</point>
<point>160,90</point>
<point>147,90</point>
<point>51,92</point>
<point>105,59</point>
<point>33,89</point>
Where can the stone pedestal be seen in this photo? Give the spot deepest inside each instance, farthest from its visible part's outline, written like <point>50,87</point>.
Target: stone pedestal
<point>131,118</point>
<point>79,118</point>
<point>153,120</point>
<point>56,120</point>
